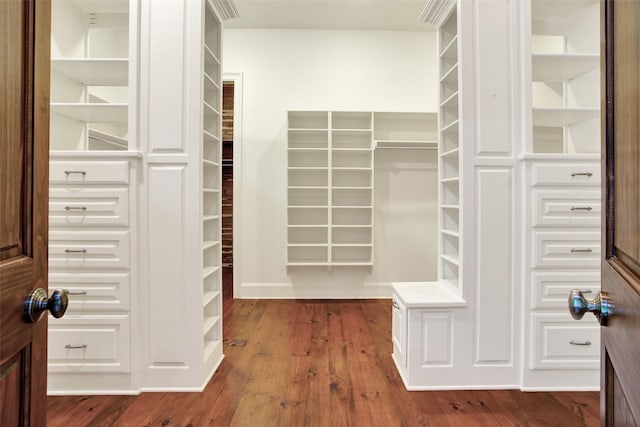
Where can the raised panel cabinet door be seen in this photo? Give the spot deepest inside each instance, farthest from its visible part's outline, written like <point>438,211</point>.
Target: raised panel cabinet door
<point>24,159</point>
<point>620,355</point>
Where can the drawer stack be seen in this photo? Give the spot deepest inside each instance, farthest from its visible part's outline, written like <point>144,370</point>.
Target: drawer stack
<point>89,255</point>
<point>563,229</point>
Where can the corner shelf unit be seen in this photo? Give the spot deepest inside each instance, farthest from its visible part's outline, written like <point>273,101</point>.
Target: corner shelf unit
<point>330,189</point>
<point>211,179</point>
<point>90,74</point>
<point>565,77</point>
<point>449,267</point>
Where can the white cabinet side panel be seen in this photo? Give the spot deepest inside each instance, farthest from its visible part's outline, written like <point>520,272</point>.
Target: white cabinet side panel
<point>436,333</point>
<point>168,342</point>
<point>494,266</point>
<point>166,79</point>
<point>493,88</point>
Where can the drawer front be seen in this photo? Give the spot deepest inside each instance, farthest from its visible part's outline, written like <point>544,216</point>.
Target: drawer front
<point>76,172</point>
<point>570,250</point>
<point>566,208</point>
<point>78,206</point>
<point>89,344</point>
<point>560,342</point>
<point>93,291</point>
<point>570,174</point>
<point>89,249</point>
<point>551,289</point>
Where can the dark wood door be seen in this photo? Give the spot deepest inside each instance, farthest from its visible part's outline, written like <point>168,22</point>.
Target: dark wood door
<point>24,179</point>
<point>620,397</point>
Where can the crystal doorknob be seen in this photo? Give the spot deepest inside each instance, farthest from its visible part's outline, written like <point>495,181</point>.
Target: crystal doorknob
<point>600,306</point>
<point>37,303</point>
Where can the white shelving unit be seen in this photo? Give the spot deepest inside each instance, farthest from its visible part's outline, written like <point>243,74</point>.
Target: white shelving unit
<point>565,77</point>
<point>330,180</point>
<point>211,179</point>
<point>449,164</point>
<point>90,75</point>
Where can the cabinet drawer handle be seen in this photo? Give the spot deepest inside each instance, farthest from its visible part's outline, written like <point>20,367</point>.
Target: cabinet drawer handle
<point>75,347</point>
<point>83,173</point>
<point>582,251</point>
<point>85,292</point>
<point>581,208</point>
<point>587,342</point>
<point>589,174</point>
<point>395,305</point>
<point>585,291</point>
<point>75,208</point>
<point>75,251</point>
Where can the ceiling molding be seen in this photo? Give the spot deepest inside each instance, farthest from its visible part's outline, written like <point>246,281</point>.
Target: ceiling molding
<point>436,11</point>
<point>226,9</point>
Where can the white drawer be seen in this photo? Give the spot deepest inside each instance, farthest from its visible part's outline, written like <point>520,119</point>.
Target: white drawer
<point>571,250</point>
<point>566,208</point>
<point>89,344</point>
<point>77,206</point>
<point>84,172</point>
<point>551,289</point>
<point>93,291</point>
<point>571,174</point>
<point>560,342</point>
<point>88,249</point>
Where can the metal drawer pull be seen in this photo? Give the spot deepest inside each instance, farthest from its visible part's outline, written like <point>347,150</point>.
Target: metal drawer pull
<point>581,208</point>
<point>75,347</point>
<point>585,291</point>
<point>85,292</point>
<point>75,208</point>
<point>589,174</point>
<point>75,251</point>
<point>83,173</point>
<point>583,251</point>
<point>395,305</point>
<point>587,342</point>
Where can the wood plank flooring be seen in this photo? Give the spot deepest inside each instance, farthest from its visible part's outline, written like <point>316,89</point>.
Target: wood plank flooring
<point>318,363</point>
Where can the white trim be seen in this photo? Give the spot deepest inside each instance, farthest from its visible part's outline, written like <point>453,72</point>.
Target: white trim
<point>436,11</point>
<point>236,78</point>
<point>226,9</point>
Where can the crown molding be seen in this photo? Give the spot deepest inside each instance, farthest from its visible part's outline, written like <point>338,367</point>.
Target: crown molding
<point>226,9</point>
<point>436,11</point>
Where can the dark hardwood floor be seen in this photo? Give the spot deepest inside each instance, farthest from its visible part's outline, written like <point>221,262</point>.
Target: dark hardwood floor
<point>318,363</point>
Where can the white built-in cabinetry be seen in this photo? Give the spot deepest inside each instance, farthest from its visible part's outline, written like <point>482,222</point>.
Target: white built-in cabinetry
<point>561,193</point>
<point>135,210</point>
<point>330,188</point>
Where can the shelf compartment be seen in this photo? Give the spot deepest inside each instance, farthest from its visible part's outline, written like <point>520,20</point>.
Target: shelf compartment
<point>405,126</point>
<point>450,243</point>
<point>319,158</point>
<point>308,196</point>
<point>211,149</point>
<point>450,193</point>
<point>352,159</point>
<point>448,31</point>
<point>211,257</point>
<point>352,235</point>
<point>450,51</point>
<point>211,93</point>
<point>308,216</point>
<point>351,120</point>
<point>92,112</point>
<point>98,140</point>
<point>308,254</point>
<point>351,254</point>
<point>308,177</point>
<point>210,175</point>
<point>451,220</point>
<point>94,71</point>
<point>210,229</point>
<point>211,65</point>
<point>556,117</point>
<point>352,178</point>
<point>451,166</point>
<point>352,216</point>
<point>352,197</point>
<point>308,235</point>
<point>308,120</point>
<point>308,138</point>
<point>212,33</point>
<point>562,67</point>
<point>351,139</point>
<point>449,269</point>
<point>211,286</point>
<point>210,203</point>
<point>451,77</point>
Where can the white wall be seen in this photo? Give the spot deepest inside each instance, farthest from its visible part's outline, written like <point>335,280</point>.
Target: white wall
<point>317,70</point>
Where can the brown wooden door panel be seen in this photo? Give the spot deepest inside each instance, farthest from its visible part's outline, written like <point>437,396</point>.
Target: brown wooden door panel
<point>620,397</point>
<point>24,172</point>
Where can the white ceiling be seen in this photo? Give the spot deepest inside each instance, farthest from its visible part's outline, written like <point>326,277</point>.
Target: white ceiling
<point>392,15</point>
